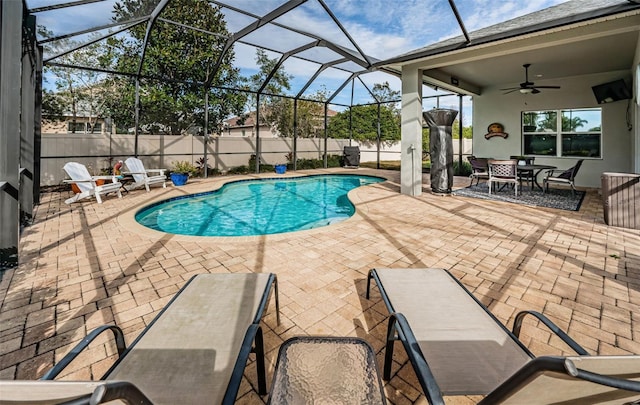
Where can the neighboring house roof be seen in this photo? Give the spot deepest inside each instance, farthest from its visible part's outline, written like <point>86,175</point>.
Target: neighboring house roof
<point>570,12</point>
<point>250,120</point>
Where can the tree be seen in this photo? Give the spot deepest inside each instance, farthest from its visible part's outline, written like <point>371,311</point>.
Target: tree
<point>572,124</point>
<point>183,60</point>
<point>78,91</point>
<point>361,122</point>
<point>53,106</point>
<point>310,116</point>
<point>467,132</point>
<point>273,109</point>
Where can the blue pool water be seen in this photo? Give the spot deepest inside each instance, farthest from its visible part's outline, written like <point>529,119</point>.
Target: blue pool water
<point>258,207</point>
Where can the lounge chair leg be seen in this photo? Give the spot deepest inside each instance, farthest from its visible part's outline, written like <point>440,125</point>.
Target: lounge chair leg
<point>275,288</point>
<point>260,367</point>
<point>388,354</point>
<point>369,277</point>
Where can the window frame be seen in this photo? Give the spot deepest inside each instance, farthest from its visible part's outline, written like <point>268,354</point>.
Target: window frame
<point>559,133</point>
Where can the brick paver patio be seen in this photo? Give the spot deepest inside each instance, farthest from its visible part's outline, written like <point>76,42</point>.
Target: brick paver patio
<point>88,264</point>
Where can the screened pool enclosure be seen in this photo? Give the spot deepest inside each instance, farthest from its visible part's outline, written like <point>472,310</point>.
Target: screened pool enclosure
<point>186,66</point>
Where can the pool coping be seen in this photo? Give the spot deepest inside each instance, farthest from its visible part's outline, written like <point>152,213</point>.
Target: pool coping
<point>127,218</point>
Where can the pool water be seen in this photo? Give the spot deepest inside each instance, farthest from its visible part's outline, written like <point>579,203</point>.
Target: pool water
<point>258,207</point>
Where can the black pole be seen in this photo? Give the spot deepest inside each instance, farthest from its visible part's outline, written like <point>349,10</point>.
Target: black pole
<point>326,134</point>
<point>137,119</point>
<point>378,138</point>
<point>205,136</point>
<point>460,141</point>
<point>258,148</point>
<point>37,139</point>
<point>295,134</point>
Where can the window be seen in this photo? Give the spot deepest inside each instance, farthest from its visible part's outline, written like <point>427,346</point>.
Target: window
<point>567,133</point>
<point>97,127</point>
<point>76,127</point>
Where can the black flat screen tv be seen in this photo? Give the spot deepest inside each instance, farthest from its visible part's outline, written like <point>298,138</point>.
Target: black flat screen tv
<point>612,91</point>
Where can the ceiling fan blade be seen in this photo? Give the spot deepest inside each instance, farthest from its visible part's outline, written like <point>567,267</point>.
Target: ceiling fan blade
<point>535,91</point>
<point>547,87</point>
<point>510,90</point>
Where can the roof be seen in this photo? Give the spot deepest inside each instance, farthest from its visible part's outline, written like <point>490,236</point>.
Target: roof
<point>250,120</point>
<point>571,12</point>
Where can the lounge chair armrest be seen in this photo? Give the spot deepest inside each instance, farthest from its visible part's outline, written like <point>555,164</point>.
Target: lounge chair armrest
<point>69,357</point>
<point>614,382</point>
<point>160,171</point>
<point>562,367</point>
<point>122,390</point>
<point>254,333</point>
<point>517,326</point>
<point>423,372</point>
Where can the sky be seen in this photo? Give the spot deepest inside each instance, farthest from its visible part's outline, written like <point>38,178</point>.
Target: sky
<point>381,28</point>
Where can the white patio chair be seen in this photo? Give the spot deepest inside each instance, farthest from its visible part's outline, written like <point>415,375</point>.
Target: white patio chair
<point>141,175</point>
<point>503,171</point>
<point>87,184</point>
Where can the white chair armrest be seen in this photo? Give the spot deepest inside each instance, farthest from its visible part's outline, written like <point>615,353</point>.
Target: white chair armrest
<point>71,181</point>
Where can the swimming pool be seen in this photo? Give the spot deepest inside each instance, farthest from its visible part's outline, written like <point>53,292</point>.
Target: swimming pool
<point>258,207</point>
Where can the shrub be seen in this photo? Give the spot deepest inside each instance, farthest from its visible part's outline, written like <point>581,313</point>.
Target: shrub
<point>200,167</point>
<point>183,166</point>
<point>239,170</point>
<point>464,170</point>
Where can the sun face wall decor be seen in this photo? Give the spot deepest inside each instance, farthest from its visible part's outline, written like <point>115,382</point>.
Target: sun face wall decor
<point>495,129</point>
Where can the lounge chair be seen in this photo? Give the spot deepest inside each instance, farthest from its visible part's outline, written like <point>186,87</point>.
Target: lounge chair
<point>193,352</point>
<point>457,347</point>
<point>141,176</point>
<point>88,184</point>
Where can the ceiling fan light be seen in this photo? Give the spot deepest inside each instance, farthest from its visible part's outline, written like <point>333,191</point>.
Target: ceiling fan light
<point>526,91</point>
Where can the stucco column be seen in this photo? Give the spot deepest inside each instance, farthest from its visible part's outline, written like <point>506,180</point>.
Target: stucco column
<point>411,132</point>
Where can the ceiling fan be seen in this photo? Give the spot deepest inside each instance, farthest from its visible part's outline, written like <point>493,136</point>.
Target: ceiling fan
<point>528,87</point>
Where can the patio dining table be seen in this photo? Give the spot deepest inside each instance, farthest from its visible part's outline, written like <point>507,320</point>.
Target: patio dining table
<point>535,170</point>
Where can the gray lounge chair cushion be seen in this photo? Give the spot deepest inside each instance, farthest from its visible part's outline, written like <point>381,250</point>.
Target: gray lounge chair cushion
<point>187,356</point>
<point>45,392</point>
<point>554,388</point>
<point>468,352</point>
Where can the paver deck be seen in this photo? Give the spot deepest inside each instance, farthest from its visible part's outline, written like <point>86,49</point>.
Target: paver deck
<point>88,264</point>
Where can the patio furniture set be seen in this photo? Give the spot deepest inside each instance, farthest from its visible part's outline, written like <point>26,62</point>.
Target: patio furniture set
<point>135,177</point>
<point>196,349</point>
<point>519,169</point>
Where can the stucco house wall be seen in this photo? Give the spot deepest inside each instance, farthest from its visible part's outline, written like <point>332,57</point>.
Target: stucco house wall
<point>617,139</point>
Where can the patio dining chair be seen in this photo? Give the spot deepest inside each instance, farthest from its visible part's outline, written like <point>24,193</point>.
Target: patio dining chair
<point>479,169</point>
<point>458,347</point>
<point>566,177</point>
<point>525,176</point>
<point>503,172</point>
